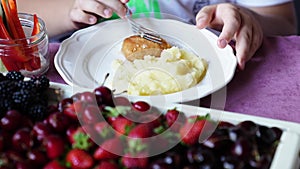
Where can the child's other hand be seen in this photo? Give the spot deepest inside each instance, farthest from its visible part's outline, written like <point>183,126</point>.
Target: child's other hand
<point>235,23</point>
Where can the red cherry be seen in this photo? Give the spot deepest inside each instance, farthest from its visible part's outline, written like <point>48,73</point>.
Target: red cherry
<point>41,130</point>
<point>14,156</point>
<point>88,97</point>
<point>11,121</point>
<point>107,165</point>
<point>26,122</point>
<point>64,103</point>
<point>24,165</point>
<point>104,96</point>
<point>1,142</point>
<point>22,140</point>
<point>55,146</point>
<point>59,121</point>
<point>70,112</point>
<point>37,157</point>
<point>91,114</point>
<point>141,106</point>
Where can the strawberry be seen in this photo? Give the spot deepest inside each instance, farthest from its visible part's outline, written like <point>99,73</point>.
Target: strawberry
<point>174,119</point>
<point>79,138</point>
<point>192,129</point>
<point>130,161</point>
<point>79,159</point>
<point>137,141</point>
<point>153,120</point>
<point>109,149</point>
<point>55,146</point>
<point>142,130</point>
<point>54,165</point>
<point>107,165</point>
<point>121,125</point>
<point>104,130</point>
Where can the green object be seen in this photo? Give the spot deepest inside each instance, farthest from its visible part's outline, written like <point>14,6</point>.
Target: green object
<point>114,16</point>
<point>145,7</point>
<point>141,8</point>
<point>2,67</point>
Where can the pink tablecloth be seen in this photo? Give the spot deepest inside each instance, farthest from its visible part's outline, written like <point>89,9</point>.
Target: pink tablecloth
<point>268,87</point>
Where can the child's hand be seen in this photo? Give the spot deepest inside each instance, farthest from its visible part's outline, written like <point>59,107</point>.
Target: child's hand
<point>235,23</point>
<point>88,11</point>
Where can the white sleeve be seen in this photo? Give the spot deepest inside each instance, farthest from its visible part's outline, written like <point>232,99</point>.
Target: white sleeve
<point>261,3</point>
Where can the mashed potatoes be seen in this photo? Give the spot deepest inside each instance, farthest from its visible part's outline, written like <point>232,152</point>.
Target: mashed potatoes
<point>174,71</point>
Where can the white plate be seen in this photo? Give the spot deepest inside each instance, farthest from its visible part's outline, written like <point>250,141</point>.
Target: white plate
<point>287,152</point>
<point>85,58</point>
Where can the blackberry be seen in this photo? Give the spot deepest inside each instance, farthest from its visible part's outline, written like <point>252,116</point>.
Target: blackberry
<point>5,105</point>
<point>37,112</point>
<point>7,87</point>
<point>40,98</point>
<point>22,97</point>
<point>41,83</point>
<point>28,85</point>
<point>15,75</point>
<point>2,77</point>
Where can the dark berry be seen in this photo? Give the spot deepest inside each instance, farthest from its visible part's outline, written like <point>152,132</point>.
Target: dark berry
<point>15,75</point>
<point>38,112</point>
<point>5,105</point>
<point>22,97</point>
<point>28,85</point>
<point>2,77</point>
<point>41,83</point>
<point>7,87</point>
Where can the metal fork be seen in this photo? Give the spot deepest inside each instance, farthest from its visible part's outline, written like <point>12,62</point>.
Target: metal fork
<point>144,32</point>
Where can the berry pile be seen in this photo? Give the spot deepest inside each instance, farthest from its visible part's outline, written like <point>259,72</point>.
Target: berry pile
<point>26,96</point>
<point>98,131</point>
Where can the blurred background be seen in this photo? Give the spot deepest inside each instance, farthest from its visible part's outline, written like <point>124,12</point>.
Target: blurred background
<point>297,7</point>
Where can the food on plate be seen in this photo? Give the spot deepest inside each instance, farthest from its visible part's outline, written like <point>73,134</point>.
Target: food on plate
<point>175,70</point>
<point>136,47</point>
<point>94,129</point>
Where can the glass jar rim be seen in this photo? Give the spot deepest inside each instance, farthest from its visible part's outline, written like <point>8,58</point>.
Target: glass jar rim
<point>26,17</point>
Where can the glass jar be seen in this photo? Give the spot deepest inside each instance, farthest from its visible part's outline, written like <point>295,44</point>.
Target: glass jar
<point>28,55</point>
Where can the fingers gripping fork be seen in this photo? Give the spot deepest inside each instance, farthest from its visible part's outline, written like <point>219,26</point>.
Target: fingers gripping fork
<point>144,32</point>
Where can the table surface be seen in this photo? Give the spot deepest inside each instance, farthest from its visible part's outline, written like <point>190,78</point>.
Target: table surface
<point>268,87</point>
